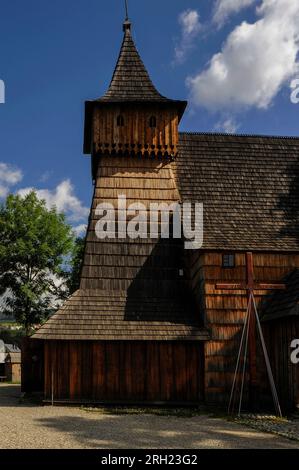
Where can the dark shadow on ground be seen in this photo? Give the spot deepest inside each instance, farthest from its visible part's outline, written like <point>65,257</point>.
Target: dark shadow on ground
<point>97,430</point>
<point>11,396</point>
<point>144,431</point>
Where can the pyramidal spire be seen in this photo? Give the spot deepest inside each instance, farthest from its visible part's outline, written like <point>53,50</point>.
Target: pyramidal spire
<point>130,80</point>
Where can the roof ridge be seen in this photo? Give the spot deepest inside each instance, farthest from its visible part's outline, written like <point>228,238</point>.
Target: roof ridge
<point>226,134</point>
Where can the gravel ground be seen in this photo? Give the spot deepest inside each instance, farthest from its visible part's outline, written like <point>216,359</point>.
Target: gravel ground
<point>282,427</point>
<point>27,426</point>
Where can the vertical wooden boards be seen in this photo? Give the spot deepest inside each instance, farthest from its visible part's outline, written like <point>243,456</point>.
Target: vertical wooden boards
<point>75,360</point>
<point>112,370</point>
<point>87,369</point>
<point>180,371</point>
<point>127,374</point>
<point>99,384</point>
<point>61,371</point>
<point>166,372</point>
<point>47,369</point>
<point>153,387</point>
<point>279,334</point>
<point>192,379</point>
<point>140,372</point>
<point>136,135</point>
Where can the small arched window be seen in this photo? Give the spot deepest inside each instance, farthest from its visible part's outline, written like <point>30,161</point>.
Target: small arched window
<point>153,122</point>
<point>120,121</point>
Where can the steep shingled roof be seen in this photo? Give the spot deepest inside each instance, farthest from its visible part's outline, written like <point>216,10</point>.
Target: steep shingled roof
<point>131,81</point>
<point>249,186</point>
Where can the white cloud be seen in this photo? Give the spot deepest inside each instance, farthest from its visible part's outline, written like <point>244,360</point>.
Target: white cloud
<point>45,176</point>
<point>9,176</point>
<point>3,191</point>
<point>80,230</point>
<point>63,198</point>
<point>225,8</point>
<point>190,27</point>
<point>227,125</point>
<point>255,62</point>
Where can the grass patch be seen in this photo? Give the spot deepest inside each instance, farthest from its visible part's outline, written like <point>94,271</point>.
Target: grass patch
<point>157,411</point>
<point>10,382</point>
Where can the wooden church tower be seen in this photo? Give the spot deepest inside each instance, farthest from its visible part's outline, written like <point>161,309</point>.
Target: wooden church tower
<point>132,118</point>
<point>151,321</point>
<point>132,332</point>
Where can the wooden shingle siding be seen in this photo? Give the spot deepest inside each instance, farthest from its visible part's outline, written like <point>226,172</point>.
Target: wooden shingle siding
<point>224,314</point>
<point>124,371</point>
<point>130,289</point>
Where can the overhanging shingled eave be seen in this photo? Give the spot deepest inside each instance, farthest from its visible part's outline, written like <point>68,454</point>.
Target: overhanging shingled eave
<point>100,316</point>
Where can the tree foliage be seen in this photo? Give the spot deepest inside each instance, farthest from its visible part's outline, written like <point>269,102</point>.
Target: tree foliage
<point>73,282</point>
<point>34,243</point>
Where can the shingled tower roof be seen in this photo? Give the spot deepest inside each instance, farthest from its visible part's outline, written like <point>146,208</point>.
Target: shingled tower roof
<point>131,81</point>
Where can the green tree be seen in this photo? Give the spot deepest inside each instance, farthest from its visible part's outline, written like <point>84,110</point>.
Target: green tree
<point>34,244</point>
<point>73,278</point>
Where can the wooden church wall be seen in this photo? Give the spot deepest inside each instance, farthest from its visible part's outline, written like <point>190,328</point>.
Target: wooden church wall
<point>278,335</point>
<point>124,371</point>
<point>225,311</point>
<point>136,135</point>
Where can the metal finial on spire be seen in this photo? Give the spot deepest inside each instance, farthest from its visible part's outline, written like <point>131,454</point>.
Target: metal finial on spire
<point>127,23</point>
<point>127,10</point>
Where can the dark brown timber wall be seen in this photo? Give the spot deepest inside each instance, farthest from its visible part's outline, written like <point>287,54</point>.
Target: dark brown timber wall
<point>32,369</point>
<point>124,371</point>
<point>279,335</point>
<point>224,314</point>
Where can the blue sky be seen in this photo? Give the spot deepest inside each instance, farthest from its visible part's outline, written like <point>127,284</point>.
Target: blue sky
<point>234,60</point>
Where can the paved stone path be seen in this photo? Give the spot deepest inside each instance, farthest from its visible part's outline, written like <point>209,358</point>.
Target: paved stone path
<point>30,426</point>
